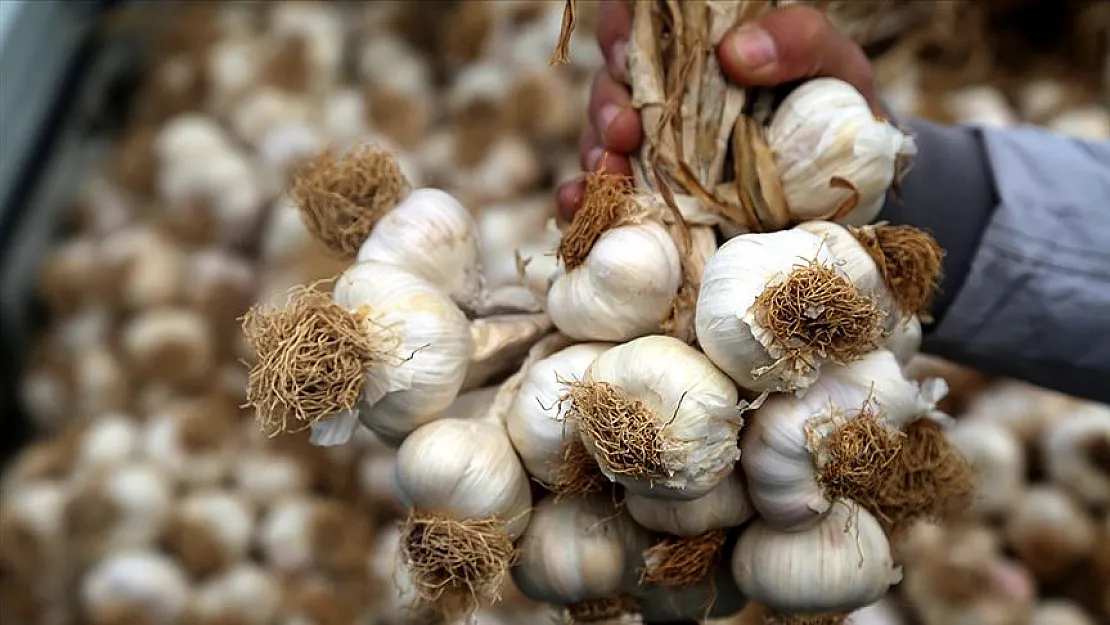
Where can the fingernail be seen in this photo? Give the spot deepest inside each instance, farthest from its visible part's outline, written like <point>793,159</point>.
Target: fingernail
<point>752,46</point>
<point>592,158</point>
<point>608,113</point>
<point>618,64</point>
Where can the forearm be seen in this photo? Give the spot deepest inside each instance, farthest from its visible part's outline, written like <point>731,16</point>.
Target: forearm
<point>1025,220</point>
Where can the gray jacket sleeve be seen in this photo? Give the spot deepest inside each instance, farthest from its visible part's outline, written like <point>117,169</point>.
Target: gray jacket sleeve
<point>1024,216</point>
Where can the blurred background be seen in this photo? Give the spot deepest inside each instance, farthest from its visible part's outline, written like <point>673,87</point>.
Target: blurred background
<point>145,152</point>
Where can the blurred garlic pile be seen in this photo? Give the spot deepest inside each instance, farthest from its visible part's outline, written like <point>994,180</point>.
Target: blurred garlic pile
<point>379,180</point>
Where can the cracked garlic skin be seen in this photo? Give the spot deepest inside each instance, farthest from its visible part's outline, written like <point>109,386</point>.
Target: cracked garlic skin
<point>835,158</point>
<point>727,505</point>
<point>578,549</point>
<point>694,408</point>
<point>464,469</point>
<point>841,564</point>
<point>428,366</point>
<point>431,234</point>
<point>536,422</point>
<point>623,290</point>
<point>726,317</point>
<point>776,449</point>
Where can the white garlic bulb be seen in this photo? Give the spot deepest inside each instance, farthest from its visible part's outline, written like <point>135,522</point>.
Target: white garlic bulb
<point>110,440</point>
<point>143,580</point>
<point>1060,612</point>
<point>780,445</point>
<point>1077,453</point>
<point>171,345</point>
<point>125,508</point>
<point>576,550</point>
<point>1030,412</point>
<point>284,534</point>
<point>687,412</point>
<point>464,469</point>
<point>623,289</point>
<point>999,462</point>
<point>981,105</point>
<point>905,341</point>
<point>1091,123</point>
<point>433,346</point>
<point>727,505</point>
<point>1050,532</point>
<point>245,594</point>
<point>225,518</point>
<point>883,612</point>
<point>730,318</point>
<point>263,475</point>
<point>192,441</point>
<point>432,235</point>
<point>842,564</point>
<point>835,158</point>
<point>536,422</point>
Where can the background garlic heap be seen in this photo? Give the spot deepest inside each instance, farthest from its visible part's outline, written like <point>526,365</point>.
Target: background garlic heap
<point>151,497</point>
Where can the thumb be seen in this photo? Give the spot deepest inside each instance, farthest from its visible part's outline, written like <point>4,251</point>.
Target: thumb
<point>794,43</point>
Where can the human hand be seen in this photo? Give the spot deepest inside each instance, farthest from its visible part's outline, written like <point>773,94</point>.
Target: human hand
<point>788,44</point>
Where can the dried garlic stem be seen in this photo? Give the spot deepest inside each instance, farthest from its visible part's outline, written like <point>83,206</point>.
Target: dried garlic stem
<point>312,357</point>
<point>341,198</point>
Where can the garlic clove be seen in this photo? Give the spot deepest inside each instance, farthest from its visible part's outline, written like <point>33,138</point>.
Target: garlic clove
<point>842,564</point>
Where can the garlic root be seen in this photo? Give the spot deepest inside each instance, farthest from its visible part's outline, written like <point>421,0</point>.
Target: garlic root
<point>909,260</point>
<point>679,562</point>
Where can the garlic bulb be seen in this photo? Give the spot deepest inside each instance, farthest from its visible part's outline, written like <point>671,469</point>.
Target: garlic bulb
<point>210,530</point>
<point>981,105</point>
<point>246,594</point>
<point>127,507</point>
<point>835,158</point>
<point>1050,532</point>
<point>399,346</point>
<point>263,475</point>
<point>110,440</point>
<point>785,445</point>
<point>1060,612</point>
<point>432,235</point>
<point>170,345</point>
<point>842,564</point>
<point>622,289</point>
<point>193,440</point>
<point>1091,123</point>
<point>659,418</point>
<point>905,341</point>
<point>1077,453</point>
<point>999,461</point>
<point>715,597</point>
<point>727,505</point>
<point>284,535</point>
<point>136,586</point>
<point>883,612</point>
<point>1030,412</point>
<point>577,549</point>
<point>300,533</point>
<point>761,319</point>
<point>537,423</point>
<point>464,469</point>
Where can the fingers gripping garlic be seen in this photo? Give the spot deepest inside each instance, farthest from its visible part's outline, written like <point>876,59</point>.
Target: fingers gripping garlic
<point>658,417</point>
<point>470,499</point>
<point>1078,453</point>
<point>577,549</point>
<point>797,449</point>
<point>774,307</point>
<point>727,505</point>
<point>391,350</point>
<point>836,159</point>
<point>842,564</point>
<point>536,422</point>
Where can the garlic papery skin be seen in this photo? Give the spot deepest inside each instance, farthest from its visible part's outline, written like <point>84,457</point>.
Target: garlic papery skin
<point>836,159</point>
<point>432,235</point>
<point>905,341</point>
<point>781,446</point>
<point>141,584</point>
<point>732,308</point>
<point>1060,612</point>
<point>246,594</point>
<point>1050,532</point>
<point>842,564</point>
<point>685,411</point>
<point>1077,453</point>
<point>464,469</point>
<point>999,462</point>
<point>624,288</point>
<point>577,549</point>
<point>536,422</point>
<point>727,505</point>
<point>429,342</point>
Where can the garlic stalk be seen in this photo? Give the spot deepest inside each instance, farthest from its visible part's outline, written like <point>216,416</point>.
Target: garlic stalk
<point>998,459</point>
<point>394,349</point>
<point>621,269</point>
<point>470,499</point>
<point>773,308</point>
<point>1077,453</point>
<point>726,505</point>
<point>576,550</point>
<point>835,157</point>
<point>1050,532</point>
<point>858,432</point>
<point>839,565</point>
<point>537,422</point>
<point>658,417</point>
